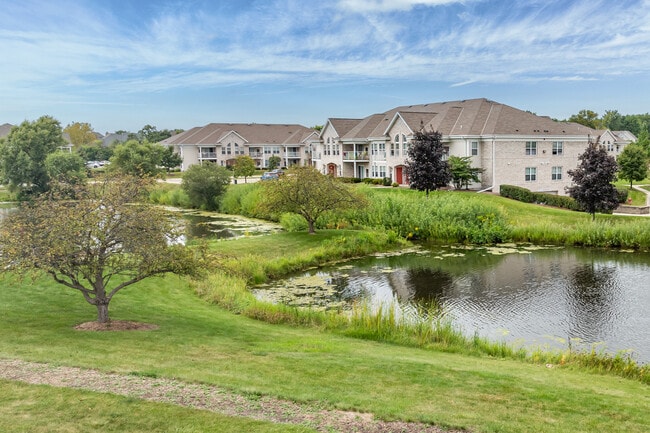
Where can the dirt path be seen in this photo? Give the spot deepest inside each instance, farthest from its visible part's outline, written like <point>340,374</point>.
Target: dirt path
<point>205,397</point>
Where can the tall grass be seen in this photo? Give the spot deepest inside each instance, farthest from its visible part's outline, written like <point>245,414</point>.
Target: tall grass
<point>443,216</point>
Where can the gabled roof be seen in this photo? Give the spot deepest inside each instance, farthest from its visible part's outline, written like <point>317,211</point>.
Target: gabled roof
<point>5,129</point>
<point>251,133</point>
<point>472,117</point>
<point>342,126</point>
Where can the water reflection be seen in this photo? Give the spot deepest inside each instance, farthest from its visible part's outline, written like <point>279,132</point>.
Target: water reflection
<point>536,297</point>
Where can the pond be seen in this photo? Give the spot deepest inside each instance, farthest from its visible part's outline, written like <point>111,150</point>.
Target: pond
<point>211,225</point>
<point>204,225</point>
<point>530,296</point>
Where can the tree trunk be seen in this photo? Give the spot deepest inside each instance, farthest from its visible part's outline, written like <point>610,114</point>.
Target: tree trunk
<point>312,230</point>
<point>102,312</point>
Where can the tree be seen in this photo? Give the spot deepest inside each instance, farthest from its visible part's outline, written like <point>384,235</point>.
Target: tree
<point>150,134</point>
<point>462,172</point>
<point>67,169</point>
<point>23,154</point>
<point>137,159</point>
<point>81,134</point>
<point>205,184</point>
<point>307,192</point>
<point>98,244</point>
<point>587,118</point>
<point>425,165</point>
<point>169,159</point>
<point>592,179</point>
<point>244,166</point>
<point>633,163</point>
<point>274,162</point>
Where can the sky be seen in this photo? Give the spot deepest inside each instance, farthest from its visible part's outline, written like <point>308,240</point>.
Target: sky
<point>120,65</point>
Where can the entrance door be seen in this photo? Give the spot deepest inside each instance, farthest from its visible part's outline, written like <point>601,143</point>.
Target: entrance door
<point>398,175</point>
<point>331,169</point>
<point>361,171</point>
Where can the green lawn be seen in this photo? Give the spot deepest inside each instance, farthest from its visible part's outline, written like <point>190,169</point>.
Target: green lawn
<point>201,343</point>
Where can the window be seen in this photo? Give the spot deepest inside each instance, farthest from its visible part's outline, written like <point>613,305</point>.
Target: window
<point>558,147</point>
<point>556,173</point>
<point>474,149</point>
<point>531,148</point>
<point>397,138</point>
<point>531,174</point>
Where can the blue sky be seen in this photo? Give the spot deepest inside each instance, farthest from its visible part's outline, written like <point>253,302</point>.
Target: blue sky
<point>121,64</point>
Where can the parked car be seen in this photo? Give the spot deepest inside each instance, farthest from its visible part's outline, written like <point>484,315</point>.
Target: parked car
<point>269,175</point>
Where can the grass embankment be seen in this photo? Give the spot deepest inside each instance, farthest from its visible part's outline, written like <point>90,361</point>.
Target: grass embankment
<point>198,342</point>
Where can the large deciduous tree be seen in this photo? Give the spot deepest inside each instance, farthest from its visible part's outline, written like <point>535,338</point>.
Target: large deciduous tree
<point>98,244</point>
<point>274,162</point>
<point>169,159</point>
<point>205,184</point>
<point>307,192</point>
<point>244,166</point>
<point>138,159</point>
<point>592,179</point>
<point>587,118</point>
<point>81,133</point>
<point>23,154</point>
<point>633,164</point>
<point>426,167</point>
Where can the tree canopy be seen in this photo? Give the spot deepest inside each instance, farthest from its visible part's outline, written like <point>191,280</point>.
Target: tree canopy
<point>244,166</point>
<point>307,192</point>
<point>425,164</point>
<point>633,163</point>
<point>98,244</point>
<point>23,154</point>
<point>81,133</point>
<point>274,162</point>
<point>205,184</point>
<point>587,118</point>
<point>593,188</point>
<point>462,172</point>
<point>137,159</point>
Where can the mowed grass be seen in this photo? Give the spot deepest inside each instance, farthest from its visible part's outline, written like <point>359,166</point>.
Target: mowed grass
<point>43,409</point>
<point>199,342</point>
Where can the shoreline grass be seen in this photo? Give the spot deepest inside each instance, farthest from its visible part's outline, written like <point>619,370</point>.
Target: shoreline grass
<point>288,252</point>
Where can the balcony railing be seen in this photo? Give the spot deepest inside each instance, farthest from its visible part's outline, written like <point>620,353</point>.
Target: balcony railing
<point>355,156</point>
<point>293,154</point>
<point>208,155</point>
<point>255,154</point>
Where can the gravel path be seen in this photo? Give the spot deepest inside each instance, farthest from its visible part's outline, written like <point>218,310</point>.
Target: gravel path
<point>205,397</point>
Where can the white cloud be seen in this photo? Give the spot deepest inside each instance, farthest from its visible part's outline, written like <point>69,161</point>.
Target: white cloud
<point>364,6</point>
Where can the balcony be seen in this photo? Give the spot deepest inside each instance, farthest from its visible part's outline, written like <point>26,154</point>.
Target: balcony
<point>208,155</point>
<point>293,154</point>
<point>355,156</point>
<point>255,154</point>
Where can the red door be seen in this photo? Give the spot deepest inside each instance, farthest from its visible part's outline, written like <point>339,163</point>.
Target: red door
<point>398,174</point>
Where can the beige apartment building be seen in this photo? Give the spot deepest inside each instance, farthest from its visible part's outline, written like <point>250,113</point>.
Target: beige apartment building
<point>512,146</point>
<point>222,143</point>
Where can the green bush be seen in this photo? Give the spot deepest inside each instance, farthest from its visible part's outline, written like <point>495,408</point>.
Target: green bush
<point>527,196</point>
<point>292,222</point>
<point>622,194</point>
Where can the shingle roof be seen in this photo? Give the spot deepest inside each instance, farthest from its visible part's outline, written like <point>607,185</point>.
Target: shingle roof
<point>5,129</point>
<point>253,133</point>
<point>467,117</point>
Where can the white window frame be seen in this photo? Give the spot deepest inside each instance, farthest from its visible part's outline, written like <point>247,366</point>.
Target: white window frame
<point>530,174</point>
<point>531,148</point>
<point>558,148</point>
<point>556,173</point>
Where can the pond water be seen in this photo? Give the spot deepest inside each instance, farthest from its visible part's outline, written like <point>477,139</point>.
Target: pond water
<point>210,225</point>
<point>529,296</point>
<point>204,225</point>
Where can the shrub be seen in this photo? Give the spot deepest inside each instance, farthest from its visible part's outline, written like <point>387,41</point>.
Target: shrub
<point>527,196</point>
<point>622,194</point>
